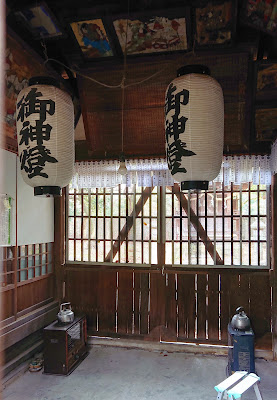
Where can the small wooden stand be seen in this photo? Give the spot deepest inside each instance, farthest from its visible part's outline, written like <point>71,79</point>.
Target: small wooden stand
<point>65,346</point>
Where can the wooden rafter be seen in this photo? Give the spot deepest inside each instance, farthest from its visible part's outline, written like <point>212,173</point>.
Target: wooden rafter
<point>197,225</point>
<point>129,223</point>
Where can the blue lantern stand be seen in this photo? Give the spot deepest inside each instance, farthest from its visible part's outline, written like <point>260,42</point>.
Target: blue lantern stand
<point>241,350</point>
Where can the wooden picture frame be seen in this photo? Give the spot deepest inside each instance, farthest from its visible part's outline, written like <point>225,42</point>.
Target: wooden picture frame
<point>264,115</point>
<point>215,23</point>
<point>163,31</point>
<point>261,15</point>
<point>266,81</point>
<point>266,123</point>
<point>40,21</point>
<point>92,37</point>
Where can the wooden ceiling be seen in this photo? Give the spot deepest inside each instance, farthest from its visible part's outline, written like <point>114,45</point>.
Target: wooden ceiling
<point>229,50</point>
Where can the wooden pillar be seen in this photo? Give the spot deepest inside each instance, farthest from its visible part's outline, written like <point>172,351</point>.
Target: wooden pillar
<point>59,245</point>
<point>274,263</point>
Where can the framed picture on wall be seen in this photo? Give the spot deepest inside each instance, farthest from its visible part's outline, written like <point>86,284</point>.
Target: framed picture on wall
<point>266,84</point>
<point>215,23</point>
<point>159,32</point>
<point>266,123</point>
<point>40,21</point>
<point>92,38</point>
<point>264,114</point>
<point>261,15</point>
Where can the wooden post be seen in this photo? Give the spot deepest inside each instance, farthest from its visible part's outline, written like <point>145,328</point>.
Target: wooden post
<point>274,263</point>
<point>59,244</point>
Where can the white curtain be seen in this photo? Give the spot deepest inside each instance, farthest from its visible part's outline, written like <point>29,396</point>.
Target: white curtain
<point>154,172</point>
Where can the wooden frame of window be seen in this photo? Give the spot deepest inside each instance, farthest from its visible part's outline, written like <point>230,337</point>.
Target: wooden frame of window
<point>113,226</point>
<point>34,260</point>
<point>164,227</point>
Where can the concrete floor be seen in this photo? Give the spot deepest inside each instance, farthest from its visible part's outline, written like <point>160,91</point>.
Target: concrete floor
<point>111,373</point>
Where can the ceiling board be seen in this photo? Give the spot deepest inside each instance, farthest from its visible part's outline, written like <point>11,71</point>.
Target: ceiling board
<point>144,104</point>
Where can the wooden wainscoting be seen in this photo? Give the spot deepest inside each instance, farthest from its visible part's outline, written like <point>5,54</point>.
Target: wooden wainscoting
<point>180,304</point>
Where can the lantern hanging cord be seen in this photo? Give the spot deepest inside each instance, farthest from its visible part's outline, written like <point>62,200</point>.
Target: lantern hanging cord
<point>124,78</point>
<point>120,85</point>
<point>85,76</point>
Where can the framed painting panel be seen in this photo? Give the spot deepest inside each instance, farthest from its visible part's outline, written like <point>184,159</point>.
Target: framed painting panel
<point>92,38</point>
<point>266,86</point>
<point>266,123</point>
<point>39,20</point>
<point>215,23</point>
<point>261,15</point>
<point>159,32</point>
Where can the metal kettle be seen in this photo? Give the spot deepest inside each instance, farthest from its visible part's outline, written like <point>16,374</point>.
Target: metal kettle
<point>240,320</point>
<point>65,315</point>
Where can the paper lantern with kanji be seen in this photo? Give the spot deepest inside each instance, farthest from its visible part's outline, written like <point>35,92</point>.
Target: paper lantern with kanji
<point>194,125</point>
<point>45,135</point>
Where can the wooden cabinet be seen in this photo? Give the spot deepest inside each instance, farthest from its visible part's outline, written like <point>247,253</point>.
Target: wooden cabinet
<point>65,346</point>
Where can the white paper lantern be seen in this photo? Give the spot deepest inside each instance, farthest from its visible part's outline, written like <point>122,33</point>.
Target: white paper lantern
<point>194,125</point>
<point>45,136</point>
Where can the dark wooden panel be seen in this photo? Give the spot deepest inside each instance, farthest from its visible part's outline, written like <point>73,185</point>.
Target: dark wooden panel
<point>81,291</point>
<point>125,302</point>
<point>137,282</point>
<point>144,291</point>
<point>34,292</point>
<point>171,305</point>
<point>7,304</point>
<point>106,300</point>
<point>157,301</point>
<point>213,306</point>
<point>201,306</point>
<point>238,292</point>
<point>260,312</point>
<point>186,305</point>
<point>94,292</point>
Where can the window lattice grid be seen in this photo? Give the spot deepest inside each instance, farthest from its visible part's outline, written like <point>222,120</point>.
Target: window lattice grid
<point>224,225</point>
<point>28,262</point>
<point>6,262</point>
<point>113,225</point>
<point>34,260</point>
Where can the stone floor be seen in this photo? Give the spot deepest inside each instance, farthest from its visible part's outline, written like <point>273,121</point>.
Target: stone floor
<point>110,373</point>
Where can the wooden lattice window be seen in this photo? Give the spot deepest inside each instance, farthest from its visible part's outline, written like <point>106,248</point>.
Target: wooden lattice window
<point>6,261</point>
<point>28,262</point>
<point>113,225</point>
<point>225,225</point>
<point>34,260</point>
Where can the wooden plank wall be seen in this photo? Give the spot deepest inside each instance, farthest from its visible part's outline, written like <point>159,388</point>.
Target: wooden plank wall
<point>184,306</point>
<point>34,292</point>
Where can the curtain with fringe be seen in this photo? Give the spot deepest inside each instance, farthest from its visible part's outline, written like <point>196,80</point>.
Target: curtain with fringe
<point>154,172</point>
